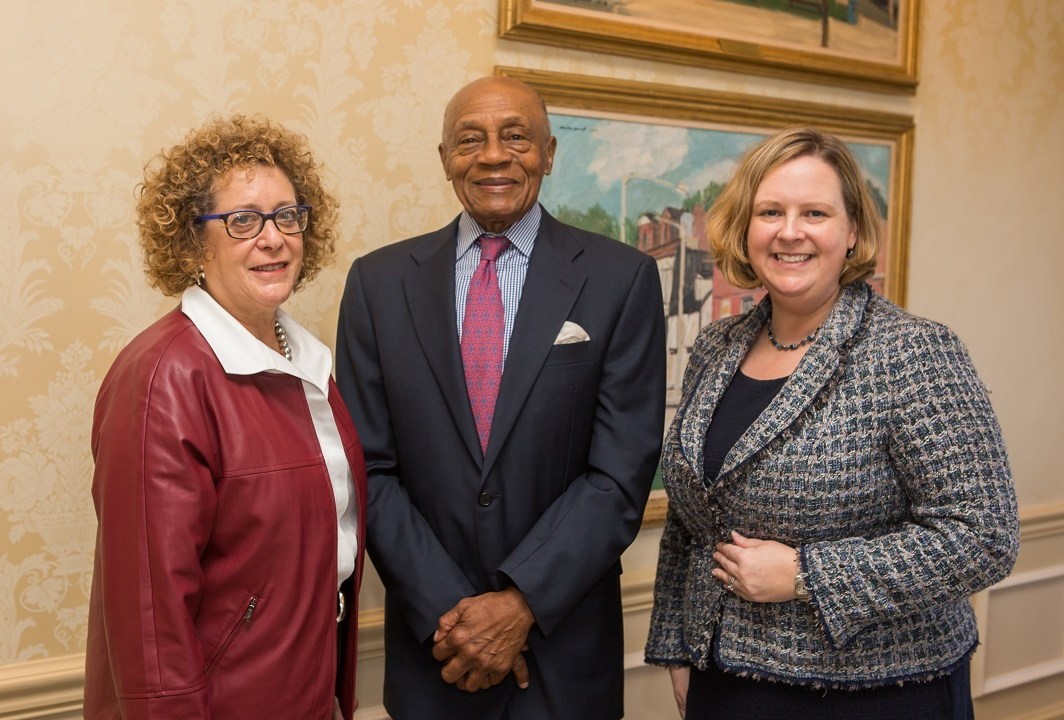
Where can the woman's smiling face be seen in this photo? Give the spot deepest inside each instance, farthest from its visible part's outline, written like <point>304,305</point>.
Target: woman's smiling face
<point>799,233</point>
<point>251,278</point>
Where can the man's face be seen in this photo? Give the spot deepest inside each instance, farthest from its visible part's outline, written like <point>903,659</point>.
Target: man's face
<point>496,149</point>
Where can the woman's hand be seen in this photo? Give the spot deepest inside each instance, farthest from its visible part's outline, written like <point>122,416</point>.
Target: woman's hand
<point>681,679</point>
<point>757,570</point>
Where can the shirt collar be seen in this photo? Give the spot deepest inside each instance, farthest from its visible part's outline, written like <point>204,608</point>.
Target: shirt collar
<point>522,234</point>
<point>241,353</point>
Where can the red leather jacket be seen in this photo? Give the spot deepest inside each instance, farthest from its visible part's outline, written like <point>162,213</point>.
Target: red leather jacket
<point>214,589</point>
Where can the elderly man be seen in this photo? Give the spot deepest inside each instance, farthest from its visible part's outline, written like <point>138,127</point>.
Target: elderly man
<point>506,376</point>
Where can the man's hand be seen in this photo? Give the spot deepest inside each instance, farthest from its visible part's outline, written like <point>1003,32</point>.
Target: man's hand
<point>480,640</point>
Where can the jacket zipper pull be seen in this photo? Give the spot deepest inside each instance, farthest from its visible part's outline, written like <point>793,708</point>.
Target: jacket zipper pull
<point>250,610</point>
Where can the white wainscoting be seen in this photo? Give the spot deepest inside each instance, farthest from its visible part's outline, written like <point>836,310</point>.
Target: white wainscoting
<point>1048,581</point>
<point>1030,602</point>
<point>1021,619</point>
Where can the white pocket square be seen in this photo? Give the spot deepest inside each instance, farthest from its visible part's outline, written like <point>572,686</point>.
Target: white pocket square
<point>571,333</point>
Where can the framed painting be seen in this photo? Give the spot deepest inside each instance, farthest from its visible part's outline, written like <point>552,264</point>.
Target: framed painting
<point>642,163</point>
<point>865,44</point>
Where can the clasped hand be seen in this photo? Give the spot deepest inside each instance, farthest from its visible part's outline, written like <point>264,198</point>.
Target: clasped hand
<point>482,638</point>
<point>756,570</point>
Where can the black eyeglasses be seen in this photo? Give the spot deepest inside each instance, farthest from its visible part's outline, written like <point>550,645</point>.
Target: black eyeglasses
<point>246,224</point>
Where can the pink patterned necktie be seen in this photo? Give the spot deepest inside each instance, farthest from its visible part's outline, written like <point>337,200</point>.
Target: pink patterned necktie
<point>482,335</point>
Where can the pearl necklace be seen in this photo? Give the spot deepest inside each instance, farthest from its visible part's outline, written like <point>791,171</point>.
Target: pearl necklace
<point>282,340</point>
<point>793,346</point>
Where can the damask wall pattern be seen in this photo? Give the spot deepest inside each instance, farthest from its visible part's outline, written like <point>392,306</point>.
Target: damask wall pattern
<point>100,87</point>
<point>94,88</point>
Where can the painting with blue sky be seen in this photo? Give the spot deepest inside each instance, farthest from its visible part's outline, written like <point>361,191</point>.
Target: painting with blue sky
<point>648,183</point>
<point>642,163</point>
<point>668,165</point>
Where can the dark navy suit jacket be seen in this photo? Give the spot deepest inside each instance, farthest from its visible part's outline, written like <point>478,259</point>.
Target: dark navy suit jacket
<point>560,492</point>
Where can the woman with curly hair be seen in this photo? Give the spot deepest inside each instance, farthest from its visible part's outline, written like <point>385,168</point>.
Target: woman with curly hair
<point>229,482</point>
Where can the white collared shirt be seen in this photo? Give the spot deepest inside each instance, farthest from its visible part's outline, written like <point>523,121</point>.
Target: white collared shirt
<point>241,353</point>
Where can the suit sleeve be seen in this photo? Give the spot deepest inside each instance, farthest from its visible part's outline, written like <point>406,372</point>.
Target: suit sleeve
<point>416,569</point>
<point>586,529</point>
<point>946,446</point>
<point>665,642</point>
<point>155,503</point>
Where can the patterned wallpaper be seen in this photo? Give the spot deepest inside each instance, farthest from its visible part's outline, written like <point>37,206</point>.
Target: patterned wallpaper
<point>94,88</point>
<point>101,86</point>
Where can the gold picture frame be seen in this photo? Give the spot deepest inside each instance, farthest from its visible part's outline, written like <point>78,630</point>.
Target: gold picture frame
<point>580,105</point>
<point>875,49</point>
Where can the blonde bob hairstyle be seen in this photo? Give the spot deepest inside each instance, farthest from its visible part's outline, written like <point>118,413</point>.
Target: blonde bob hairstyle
<point>180,185</point>
<point>729,217</point>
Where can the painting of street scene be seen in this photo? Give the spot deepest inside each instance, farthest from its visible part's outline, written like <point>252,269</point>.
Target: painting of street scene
<point>864,29</point>
<point>649,184</point>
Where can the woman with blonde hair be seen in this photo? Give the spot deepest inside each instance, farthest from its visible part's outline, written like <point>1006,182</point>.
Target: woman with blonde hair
<point>838,484</point>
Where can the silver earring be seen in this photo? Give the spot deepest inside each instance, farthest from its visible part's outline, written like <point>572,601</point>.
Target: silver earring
<point>849,253</point>
<point>200,277</point>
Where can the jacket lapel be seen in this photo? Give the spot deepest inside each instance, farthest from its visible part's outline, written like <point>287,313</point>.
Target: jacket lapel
<point>551,287</point>
<point>820,364</point>
<point>429,290</point>
<point>697,413</point>
<point>813,374</point>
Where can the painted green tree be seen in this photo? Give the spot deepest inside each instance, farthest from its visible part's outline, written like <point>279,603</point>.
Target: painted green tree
<point>594,219</point>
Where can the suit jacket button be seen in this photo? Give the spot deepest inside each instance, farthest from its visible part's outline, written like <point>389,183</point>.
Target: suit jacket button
<point>484,499</point>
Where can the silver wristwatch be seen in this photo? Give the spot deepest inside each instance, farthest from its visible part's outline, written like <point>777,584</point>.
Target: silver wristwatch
<point>801,592</point>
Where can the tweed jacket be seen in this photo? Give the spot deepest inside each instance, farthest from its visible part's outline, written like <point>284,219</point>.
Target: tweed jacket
<point>882,461</point>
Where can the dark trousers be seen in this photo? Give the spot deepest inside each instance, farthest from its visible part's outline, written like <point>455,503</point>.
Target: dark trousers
<point>717,695</point>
